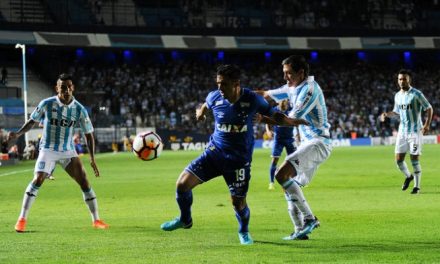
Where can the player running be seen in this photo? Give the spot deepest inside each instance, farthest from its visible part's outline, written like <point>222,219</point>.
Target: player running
<point>61,114</point>
<point>229,152</point>
<point>408,105</point>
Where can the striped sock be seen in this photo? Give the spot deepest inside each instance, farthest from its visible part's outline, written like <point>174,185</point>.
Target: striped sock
<point>401,165</point>
<point>30,194</point>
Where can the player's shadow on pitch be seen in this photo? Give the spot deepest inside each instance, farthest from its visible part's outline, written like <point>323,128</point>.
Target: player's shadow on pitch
<point>287,243</point>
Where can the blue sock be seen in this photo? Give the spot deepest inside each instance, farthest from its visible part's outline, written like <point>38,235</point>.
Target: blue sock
<point>243,217</point>
<point>273,168</point>
<point>184,200</point>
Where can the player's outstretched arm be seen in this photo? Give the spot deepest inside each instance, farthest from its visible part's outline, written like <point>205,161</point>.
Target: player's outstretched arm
<point>280,119</point>
<point>201,112</point>
<point>25,128</point>
<point>387,114</point>
<point>90,141</point>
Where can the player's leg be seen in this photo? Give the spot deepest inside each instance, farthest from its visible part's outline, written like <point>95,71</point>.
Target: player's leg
<point>273,168</point>
<point>401,148</point>
<point>415,150</point>
<point>30,194</point>
<point>297,219</point>
<point>44,165</point>
<point>243,215</point>
<point>276,153</point>
<point>75,169</point>
<point>184,197</point>
<point>198,171</point>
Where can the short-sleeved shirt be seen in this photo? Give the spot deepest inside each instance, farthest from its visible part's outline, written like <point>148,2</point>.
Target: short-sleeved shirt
<point>409,106</point>
<point>307,101</point>
<point>59,120</point>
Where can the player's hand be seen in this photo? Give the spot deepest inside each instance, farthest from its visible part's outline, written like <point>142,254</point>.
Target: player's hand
<point>269,134</point>
<point>95,167</point>
<point>200,116</point>
<point>11,136</point>
<point>425,130</point>
<point>382,117</point>
<point>257,118</point>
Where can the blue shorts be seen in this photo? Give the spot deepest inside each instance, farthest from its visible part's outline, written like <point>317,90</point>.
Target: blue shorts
<point>278,146</point>
<point>214,162</point>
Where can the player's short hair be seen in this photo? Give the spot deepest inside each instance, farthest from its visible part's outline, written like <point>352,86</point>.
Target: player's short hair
<point>406,72</point>
<point>65,77</point>
<point>229,71</point>
<point>297,62</point>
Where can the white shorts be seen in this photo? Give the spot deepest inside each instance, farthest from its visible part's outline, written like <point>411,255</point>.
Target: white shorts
<point>411,143</point>
<point>47,160</point>
<point>307,158</point>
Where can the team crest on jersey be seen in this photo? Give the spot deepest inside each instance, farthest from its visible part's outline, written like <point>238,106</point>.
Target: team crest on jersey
<point>41,165</point>
<point>220,102</point>
<point>220,114</point>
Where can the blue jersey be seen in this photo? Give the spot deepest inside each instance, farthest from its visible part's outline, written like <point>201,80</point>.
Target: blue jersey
<point>307,101</point>
<point>59,122</point>
<point>282,132</point>
<point>409,106</point>
<point>234,133</point>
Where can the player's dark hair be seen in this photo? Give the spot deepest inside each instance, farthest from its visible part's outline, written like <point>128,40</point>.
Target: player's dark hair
<point>229,71</point>
<point>65,77</point>
<point>297,62</point>
<point>406,72</point>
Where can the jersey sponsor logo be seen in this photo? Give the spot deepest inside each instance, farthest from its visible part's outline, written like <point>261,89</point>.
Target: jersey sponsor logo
<point>220,102</point>
<point>62,122</point>
<point>220,114</point>
<point>229,128</point>
<point>405,107</point>
<point>243,104</point>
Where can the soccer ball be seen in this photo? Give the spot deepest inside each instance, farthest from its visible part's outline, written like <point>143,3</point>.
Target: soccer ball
<point>147,145</point>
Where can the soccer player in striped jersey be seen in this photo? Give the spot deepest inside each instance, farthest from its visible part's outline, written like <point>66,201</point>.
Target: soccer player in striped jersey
<point>61,114</point>
<point>307,100</point>
<point>282,138</point>
<point>408,105</point>
<point>229,152</point>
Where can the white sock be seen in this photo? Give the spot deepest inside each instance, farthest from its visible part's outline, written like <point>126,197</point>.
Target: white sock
<point>295,215</point>
<point>297,197</point>
<point>30,194</point>
<point>417,172</point>
<point>92,203</point>
<point>401,165</point>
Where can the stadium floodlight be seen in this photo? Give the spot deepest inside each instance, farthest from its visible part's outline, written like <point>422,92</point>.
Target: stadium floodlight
<point>23,53</point>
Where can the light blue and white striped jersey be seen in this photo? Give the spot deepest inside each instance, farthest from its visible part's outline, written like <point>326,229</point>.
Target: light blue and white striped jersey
<point>59,120</point>
<point>409,106</point>
<point>307,101</point>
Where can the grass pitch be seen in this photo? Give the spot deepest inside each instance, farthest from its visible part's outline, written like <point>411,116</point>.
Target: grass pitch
<point>365,217</point>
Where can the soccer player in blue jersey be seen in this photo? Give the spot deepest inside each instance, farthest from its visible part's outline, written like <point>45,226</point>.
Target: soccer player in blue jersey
<point>298,169</point>
<point>282,138</point>
<point>61,114</point>
<point>408,105</point>
<point>229,152</point>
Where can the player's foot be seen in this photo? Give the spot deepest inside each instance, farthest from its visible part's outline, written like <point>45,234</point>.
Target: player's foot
<point>309,225</point>
<point>407,182</point>
<point>245,238</point>
<point>415,190</point>
<point>271,186</point>
<point>175,224</point>
<point>20,226</point>
<point>296,236</point>
<point>99,224</point>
